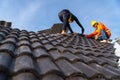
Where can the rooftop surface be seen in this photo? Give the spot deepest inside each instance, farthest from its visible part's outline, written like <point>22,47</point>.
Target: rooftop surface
<point>43,55</point>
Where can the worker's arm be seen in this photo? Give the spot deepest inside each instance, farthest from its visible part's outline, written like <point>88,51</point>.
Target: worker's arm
<point>92,35</point>
<point>77,21</point>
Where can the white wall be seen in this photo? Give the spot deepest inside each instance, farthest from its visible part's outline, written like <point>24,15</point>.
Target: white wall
<point>117,51</point>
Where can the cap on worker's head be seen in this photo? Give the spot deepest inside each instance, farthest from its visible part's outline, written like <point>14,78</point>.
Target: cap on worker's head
<point>93,22</point>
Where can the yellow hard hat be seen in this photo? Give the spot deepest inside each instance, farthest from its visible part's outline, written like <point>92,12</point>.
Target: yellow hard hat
<point>93,22</point>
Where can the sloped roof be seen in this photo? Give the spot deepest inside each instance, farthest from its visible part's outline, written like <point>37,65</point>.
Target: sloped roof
<point>41,56</point>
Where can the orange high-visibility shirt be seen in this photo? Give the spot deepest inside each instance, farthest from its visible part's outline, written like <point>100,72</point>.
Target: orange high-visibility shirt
<point>97,31</point>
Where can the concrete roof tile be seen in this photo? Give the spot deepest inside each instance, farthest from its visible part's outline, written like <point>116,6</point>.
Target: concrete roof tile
<point>106,72</point>
<point>87,70</point>
<point>23,49</point>
<point>23,63</point>
<point>39,52</point>
<point>46,56</point>
<point>67,68</point>
<point>5,60</point>
<point>52,77</point>
<point>25,76</point>
<point>46,65</point>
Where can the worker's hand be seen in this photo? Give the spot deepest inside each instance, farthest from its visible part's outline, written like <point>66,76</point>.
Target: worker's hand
<point>82,35</point>
<point>96,37</point>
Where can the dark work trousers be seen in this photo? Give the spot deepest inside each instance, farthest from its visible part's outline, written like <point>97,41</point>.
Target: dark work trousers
<point>103,36</point>
<point>64,18</point>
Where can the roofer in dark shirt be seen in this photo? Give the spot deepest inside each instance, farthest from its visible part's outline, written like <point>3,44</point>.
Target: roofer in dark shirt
<point>67,17</point>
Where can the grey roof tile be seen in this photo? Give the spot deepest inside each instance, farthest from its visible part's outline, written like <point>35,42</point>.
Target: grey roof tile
<point>4,32</point>
<point>23,49</point>
<point>23,34</point>
<point>72,49</point>
<point>85,59</point>
<point>44,41</point>
<point>25,76</point>
<point>51,38</point>
<point>32,36</point>
<point>23,42</point>
<point>3,76</point>
<point>111,62</point>
<point>76,78</point>
<point>71,57</point>
<point>52,77</point>
<point>67,68</point>
<point>106,72</point>
<point>36,44</point>
<point>10,40</point>
<point>23,38</point>
<point>23,63</point>
<point>46,56</point>
<point>5,60</point>
<point>34,40</point>
<point>116,70</point>
<point>40,52</point>
<point>55,54</point>
<point>99,79</point>
<point>87,70</point>
<point>60,48</point>
<point>2,35</point>
<point>99,61</point>
<point>46,65</point>
<point>54,43</point>
<point>7,47</point>
<point>49,46</point>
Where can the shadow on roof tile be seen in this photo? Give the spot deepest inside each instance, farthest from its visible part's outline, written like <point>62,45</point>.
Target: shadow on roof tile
<point>25,76</point>
<point>3,76</point>
<point>5,60</point>
<point>52,77</point>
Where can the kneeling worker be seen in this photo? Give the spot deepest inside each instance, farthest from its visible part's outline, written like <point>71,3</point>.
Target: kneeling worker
<point>101,33</point>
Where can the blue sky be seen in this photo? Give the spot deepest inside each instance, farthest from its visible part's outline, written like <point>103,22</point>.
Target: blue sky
<point>36,15</point>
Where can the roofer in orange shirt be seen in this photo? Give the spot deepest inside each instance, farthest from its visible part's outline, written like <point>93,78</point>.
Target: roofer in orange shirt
<point>101,33</point>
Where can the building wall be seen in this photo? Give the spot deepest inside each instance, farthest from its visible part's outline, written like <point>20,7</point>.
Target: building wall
<point>117,51</point>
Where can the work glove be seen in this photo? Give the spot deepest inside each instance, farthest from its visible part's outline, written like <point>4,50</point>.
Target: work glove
<point>82,35</point>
